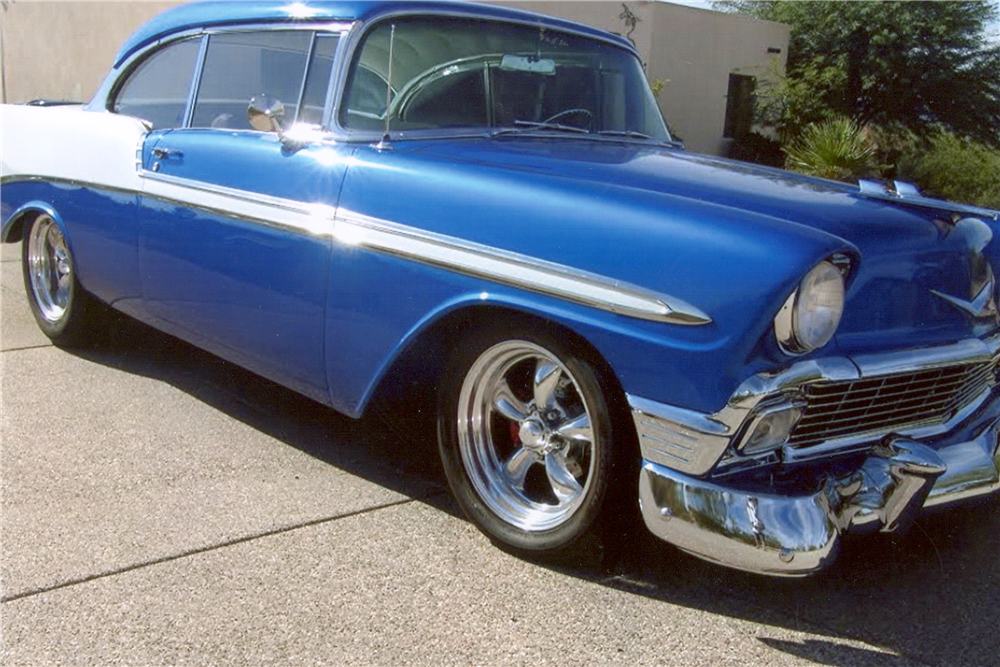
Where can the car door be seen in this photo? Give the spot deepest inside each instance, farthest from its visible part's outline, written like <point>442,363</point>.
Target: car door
<point>235,223</point>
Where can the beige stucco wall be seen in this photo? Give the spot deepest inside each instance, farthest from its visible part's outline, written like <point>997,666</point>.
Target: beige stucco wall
<point>62,50</point>
<point>694,53</point>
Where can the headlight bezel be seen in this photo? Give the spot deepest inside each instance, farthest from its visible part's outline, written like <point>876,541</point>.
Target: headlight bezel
<point>820,295</point>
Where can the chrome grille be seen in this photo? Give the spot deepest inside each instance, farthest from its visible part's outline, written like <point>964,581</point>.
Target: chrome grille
<point>872,406</point>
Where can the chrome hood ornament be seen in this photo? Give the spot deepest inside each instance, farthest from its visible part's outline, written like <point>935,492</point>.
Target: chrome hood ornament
<point>982,305</point>
<point>906,193</point>
<point>982,288</point>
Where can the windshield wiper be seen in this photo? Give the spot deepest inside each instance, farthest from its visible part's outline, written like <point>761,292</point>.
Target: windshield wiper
<point>630,134</point>
<point>525,126</point>
<point>522,126</point>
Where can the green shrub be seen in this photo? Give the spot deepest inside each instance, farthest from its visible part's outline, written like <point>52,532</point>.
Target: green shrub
<point>837,149</point>
<point>957,169</point>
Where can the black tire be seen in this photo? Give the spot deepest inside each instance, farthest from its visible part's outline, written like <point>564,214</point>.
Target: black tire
<point>528,442</point>
<point>64,311</point>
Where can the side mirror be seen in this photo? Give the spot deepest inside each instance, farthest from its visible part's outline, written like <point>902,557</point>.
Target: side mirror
<point>265,114</point>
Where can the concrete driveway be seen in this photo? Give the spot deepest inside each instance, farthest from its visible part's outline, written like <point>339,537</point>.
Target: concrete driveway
<point>162,507</point>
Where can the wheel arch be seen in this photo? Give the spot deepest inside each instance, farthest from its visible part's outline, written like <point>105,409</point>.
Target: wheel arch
<point>13,227</point>
<point>421,359</point>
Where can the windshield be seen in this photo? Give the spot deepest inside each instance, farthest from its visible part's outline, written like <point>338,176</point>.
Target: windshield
<point>464,73</point>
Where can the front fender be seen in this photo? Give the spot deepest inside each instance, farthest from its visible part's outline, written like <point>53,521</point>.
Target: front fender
<point>734,266</point>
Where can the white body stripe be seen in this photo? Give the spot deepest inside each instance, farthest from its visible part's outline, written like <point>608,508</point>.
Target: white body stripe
<point>68,143</point>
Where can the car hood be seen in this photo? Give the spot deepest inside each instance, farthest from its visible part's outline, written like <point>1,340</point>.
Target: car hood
<point>921,268</point>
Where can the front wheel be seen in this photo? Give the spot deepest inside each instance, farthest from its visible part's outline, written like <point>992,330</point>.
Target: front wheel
<point>526,439</point>
<point>63,310</point>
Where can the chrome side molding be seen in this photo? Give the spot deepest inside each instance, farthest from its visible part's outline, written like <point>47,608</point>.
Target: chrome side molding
<point>352,229</point>
<point>514,269</point>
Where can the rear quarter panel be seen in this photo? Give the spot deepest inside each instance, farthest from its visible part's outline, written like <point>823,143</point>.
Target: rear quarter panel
<point>82,165</point>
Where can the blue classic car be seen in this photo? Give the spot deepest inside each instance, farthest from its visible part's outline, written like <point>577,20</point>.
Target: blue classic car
<point>328,193</point>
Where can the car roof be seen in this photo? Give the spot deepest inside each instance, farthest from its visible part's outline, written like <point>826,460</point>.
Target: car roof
<point>203,14</point>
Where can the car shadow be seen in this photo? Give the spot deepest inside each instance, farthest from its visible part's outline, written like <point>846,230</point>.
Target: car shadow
<point>371,447</point>
<point>931,595</point>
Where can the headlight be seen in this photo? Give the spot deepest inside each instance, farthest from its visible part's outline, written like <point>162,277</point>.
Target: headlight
<point>811,314</point>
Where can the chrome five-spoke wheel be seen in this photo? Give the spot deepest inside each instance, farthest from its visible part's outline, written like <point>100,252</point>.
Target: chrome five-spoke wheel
<point>525,442</point>
<point>48,269</point>
<point>525,436</point>
<point>63,311</point>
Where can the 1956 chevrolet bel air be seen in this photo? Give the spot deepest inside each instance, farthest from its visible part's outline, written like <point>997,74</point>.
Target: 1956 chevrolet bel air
<point>329,192</point>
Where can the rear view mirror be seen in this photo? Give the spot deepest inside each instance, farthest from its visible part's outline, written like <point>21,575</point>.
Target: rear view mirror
<point>514,63</point>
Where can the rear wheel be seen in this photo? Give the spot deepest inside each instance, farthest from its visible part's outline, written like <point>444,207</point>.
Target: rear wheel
<point>63,310</point>
<point>526,437</point>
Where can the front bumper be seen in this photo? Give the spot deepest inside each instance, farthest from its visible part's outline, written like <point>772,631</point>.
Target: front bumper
<point>789,535</point>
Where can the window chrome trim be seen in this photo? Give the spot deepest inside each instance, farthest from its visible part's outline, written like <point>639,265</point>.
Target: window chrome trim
<point>199,68</point>
<point>310,54</point>
<point>337,82</point>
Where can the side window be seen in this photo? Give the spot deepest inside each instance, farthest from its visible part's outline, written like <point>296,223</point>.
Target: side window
<point>157,90</point>
<point>318,79</point>
<point>365,107</point>
<point>239,66</point>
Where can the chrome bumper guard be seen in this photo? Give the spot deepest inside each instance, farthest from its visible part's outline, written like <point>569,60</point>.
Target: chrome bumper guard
<point>796,536</point>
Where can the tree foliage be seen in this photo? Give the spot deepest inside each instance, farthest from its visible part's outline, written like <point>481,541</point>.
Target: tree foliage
<point>960,169</point>
<point>916,65</point>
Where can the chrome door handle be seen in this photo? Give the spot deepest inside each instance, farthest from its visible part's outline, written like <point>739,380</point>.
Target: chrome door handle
<point>164,153</point>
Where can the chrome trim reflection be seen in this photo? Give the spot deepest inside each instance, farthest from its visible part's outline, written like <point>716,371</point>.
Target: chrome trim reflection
<point>904,193</point>
<point>973,469</point>
<point>315,219</point>
<point>792,380</point>
<point>860,442</point>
